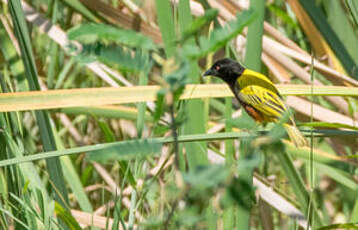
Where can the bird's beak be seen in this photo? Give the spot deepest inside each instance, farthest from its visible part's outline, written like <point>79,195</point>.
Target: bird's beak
<point>208,73</point>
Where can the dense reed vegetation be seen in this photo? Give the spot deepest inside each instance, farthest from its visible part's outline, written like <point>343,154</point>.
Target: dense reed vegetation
<point>106,122</point>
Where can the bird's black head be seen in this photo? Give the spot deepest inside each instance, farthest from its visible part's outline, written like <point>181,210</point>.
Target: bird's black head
<point>226,69</point>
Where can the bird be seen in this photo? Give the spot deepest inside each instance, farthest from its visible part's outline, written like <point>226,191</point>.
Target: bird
<point>256,94</point>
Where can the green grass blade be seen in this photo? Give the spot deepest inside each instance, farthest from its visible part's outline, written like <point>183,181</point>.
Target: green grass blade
<point>54,166</point>
<point>229,213</point>
<point>66,217</point>
<point>9,53</point>
<point>353,8</point>
<point>122,112</point>
<point>75,184</point>
<point>245,174</point>
<point>336,45</point>
<point>141,107</point>
<point>166,24</point>
<point>337,18</point>
<point>340,226</point>
<point>339,176</point>
<point>80,8</point>
<point>328,125</point>
<point>132,210</point>
<point>53,50</point>
<point>253,61</point>
<point>196,152</point>
<point>160,140</point>
<point>219,37</point>
<point>254,36</point>
<point>298,186</point>
<point>194,27</point>
<point>73,180</point>
<point>354,215</point>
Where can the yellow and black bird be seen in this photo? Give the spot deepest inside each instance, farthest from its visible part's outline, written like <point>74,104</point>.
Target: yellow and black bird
<point>256,94</point>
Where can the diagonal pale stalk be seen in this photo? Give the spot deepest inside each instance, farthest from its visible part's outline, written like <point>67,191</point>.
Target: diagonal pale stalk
<point>125,20</point>
<point>298,71</point>
<point>331,74</point>
<point>53,165</point>
<point>290,48</point>
<point>304,76</point>
<point>319,112</point>
<point>53,99</point>
<point>278,201</point>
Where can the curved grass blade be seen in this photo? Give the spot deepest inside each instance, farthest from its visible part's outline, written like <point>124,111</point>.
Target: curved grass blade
<point>48,141</point>
<point>353,8</point>
<point>66,217</point>
<point>340,226</point>
<point>80,8</point>
<point>336,45</point>
<point>328,125</point>
<point>161,140</point>
<point>339,22</point>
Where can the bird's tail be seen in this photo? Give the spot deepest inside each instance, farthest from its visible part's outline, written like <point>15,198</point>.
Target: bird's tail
<point>296,136</point>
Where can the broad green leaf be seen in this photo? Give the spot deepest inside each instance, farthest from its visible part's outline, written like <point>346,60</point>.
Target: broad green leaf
<point>126,60</point>
<point>219,37</point>
<point>66,217</point>
<point>92,33</point>
<point>125,150</point>
<point>208,176</point>
<point>197,24</point>
<point>282,15</point>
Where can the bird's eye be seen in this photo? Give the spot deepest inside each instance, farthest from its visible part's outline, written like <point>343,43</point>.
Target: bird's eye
<point>217,67</point>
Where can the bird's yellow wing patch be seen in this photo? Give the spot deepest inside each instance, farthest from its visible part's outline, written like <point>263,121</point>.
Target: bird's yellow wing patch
<point>265,101</point>
<point>250,77</point>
